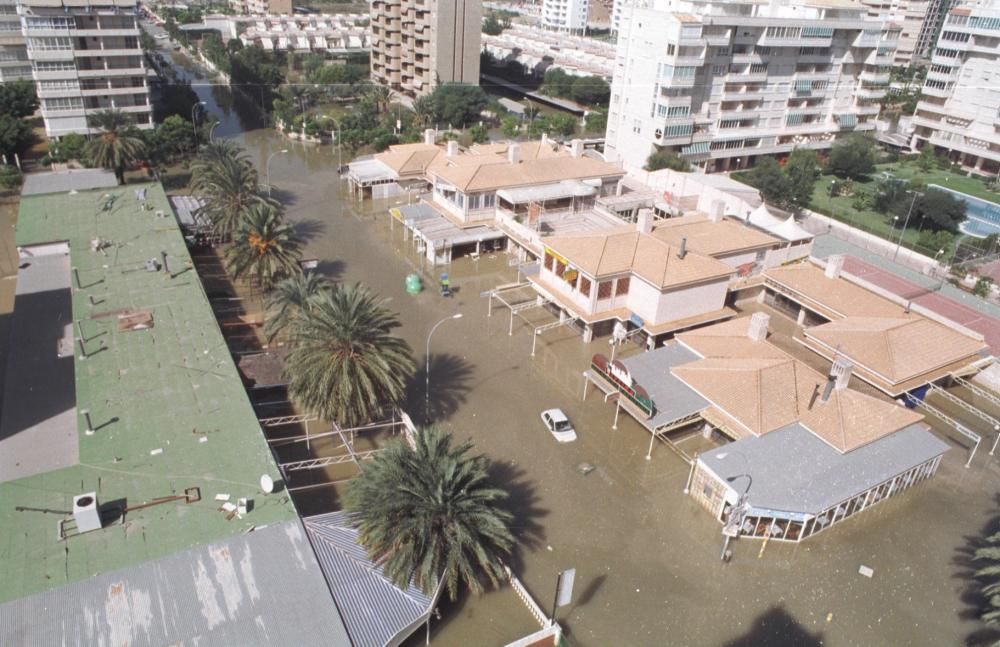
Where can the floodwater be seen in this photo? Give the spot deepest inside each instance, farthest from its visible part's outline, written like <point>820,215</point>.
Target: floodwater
<point>647,557</point>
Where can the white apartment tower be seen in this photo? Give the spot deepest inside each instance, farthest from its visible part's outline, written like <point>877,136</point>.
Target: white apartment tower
<point>418,44</point>
<point>722,83</point>
<point>14,62</point>
<point>565,15</point>
<point>919,21</point>
<point>85,57</point>
<point>959,110</point>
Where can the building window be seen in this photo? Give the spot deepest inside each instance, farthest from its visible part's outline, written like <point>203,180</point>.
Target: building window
<point>604,290</point>
<point>549,260</point>
<point>622,288</point>
<point>584,285</point>
<point>719,70</point>
<point>783,32</point>
<point>559,268</point>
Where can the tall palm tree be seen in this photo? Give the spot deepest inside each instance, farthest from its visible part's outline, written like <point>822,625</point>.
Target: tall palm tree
<point>345,366</point>
<point>989,577</point>
<point>228,182</point>
<point>423,108</point>
<point>379,94</point>
<point>289,299</point>
<point>116,147</point>
<point>430,515</point>
<point>264,249</point>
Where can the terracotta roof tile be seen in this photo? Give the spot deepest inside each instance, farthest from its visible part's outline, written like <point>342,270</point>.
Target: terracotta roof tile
<point>712,238</point>
<point>839,297</point>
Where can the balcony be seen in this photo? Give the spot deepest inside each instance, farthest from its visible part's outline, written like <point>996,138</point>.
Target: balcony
<point>102,92</point>
<point>752,95</point>
<point>874,77</point>
<point>51,54</point>
<point>747,77</point>
<point>870,93</point>
<point>87,53</point>
<point>931,92</point>
<point>867,40</point>
<point>102,72</point>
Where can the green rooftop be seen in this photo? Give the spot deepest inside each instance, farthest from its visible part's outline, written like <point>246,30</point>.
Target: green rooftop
<point>167,402</point>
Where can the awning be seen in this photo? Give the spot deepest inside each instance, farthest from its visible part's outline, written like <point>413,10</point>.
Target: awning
<point>696,149</point>
<point>367,171</point>
<point>556,191</point>
<point>847,121</point>
<point>437,230</point>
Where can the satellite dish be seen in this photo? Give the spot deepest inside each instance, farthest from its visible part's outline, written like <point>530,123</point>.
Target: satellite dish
<point>266,484</point>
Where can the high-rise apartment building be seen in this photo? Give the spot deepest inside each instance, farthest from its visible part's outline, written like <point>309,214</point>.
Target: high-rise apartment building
<point>14,62</point>
<point>722,83</point>
<point>565,15</point>
<point>919,22</point>
<point>419,44</point>
<point>85,58</point>
<point>959,108</point>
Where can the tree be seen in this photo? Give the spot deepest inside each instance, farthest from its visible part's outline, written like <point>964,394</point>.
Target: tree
<point>117,146</point>
<point>430,515</point>
<point>802,170</point>
<point>345,365</point>
<point>10,177</point>
<point>380,96</point>
<point>492,25</point>
<point>479,134</point>
<point>934,242</point>
<point>171,139</point>
<point>982,288</point>
<point>989,576</point>
<point>510,126</point>
<point>596,121</point>
<point>766,177</point>
<point>561,124</point>
<point>926,160</point>
<point>423,107</point>
<point>852,157</point>
<point>224,177</point>
<point>71,146</point>
<point>18,99</point>
<point>557,83</point>
<point>457,104</point>
<point>265,248</point>
<point>289,299</point>
<point>15,135</point>
<point>939,210</point>
<point>591,90</point>
<point>662,159</point>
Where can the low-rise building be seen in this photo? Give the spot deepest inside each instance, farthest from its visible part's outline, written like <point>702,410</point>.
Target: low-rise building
<point>338,33</point>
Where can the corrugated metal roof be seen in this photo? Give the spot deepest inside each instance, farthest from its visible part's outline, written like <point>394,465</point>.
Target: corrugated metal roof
<point>374,609</point>
<point>263,588</point>
<point>69,180</point>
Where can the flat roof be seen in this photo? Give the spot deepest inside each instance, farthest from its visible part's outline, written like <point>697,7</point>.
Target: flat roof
<point>441,231</point>
<point>795,472</point>
<point>167,403</point>
<point>82,179</point>
<point>672,399</point>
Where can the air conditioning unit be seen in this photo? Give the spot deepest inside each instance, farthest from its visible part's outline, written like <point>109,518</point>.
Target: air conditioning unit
<point>85,512</point>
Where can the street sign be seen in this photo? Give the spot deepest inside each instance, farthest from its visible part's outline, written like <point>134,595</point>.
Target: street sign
<point>565,593</point>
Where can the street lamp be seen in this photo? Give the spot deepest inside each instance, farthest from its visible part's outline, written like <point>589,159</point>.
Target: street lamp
<point>906,221</point>
<point>212,131</point>
<point>427,367</point>
<point>194,120</point>
<point>340,161</point>
<point>267,168</point>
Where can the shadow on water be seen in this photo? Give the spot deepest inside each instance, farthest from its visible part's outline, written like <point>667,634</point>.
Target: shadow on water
<point>449,382</point>
<point>522,502</point>
<point>309,229</point>
<point>971,586</point>
<point>284,197</point>
<point>776,628</point>
<point>332,270</point>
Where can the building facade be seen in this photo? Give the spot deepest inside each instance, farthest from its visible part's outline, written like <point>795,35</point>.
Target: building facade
<point>263,7</point>
<point>916,19</point>
<point>721,83</point>
<point>85,59</point>
<point>565,15</point>
<point>14,62</point>
<point>419,44</point>
<point>959,108</point>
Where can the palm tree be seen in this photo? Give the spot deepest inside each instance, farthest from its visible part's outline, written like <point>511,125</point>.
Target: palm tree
<point>430,514</point>
<point>345,365</point>
<point>116,147</point>
<point>989,577</point>
<point>423,108</point>
<point>380,95</point>
<point>289,298</point>
<point>264,248</point>
<point>224,177</point>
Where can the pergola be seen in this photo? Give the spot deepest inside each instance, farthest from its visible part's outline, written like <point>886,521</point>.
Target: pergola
<point>520,298</point>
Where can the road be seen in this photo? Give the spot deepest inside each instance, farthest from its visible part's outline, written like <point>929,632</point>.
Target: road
<point>647,562</point>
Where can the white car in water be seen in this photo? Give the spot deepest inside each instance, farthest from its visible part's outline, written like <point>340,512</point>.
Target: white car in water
<point>558,425</point>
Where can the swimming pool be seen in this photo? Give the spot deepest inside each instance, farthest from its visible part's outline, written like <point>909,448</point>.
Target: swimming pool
<point>982,216</point>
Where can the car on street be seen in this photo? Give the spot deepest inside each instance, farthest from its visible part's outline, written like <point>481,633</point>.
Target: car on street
<point>558,425</point>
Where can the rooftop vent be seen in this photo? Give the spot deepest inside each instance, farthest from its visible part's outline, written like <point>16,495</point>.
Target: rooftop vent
<point>514,153</point>
<point>841,371</point>
<point>758,326</point>
<point>834,265</point>
<point>85,512</point>
<point>682,252</point>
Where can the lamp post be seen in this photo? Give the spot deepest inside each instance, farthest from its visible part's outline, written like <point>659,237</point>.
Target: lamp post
<point>194,121</point>
<point>267,168</point>
<point>337,132</point>
<point>906,222</point>
<point>427,366</point>
<point>211,132</point>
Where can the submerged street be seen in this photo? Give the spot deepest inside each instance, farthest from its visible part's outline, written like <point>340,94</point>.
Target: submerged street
<point>647,557</point>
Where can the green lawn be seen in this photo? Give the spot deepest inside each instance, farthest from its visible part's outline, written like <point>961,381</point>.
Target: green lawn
<point>842,207</point>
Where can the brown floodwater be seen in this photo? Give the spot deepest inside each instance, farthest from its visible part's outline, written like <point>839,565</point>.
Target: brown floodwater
<point>647,557</point>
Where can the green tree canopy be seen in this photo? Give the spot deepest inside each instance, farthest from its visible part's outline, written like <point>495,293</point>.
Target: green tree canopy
<point>591,90</point>
<point>15,135</point>
<point>118,145</point>
<point>766,176</point>
<point>666,159</point>
<point>264,249</point>
<point>852,157</point>
<point>596,121</point>
<point>458,104</point>
<point>430,515</point>
<point>939,210</point>
<point>802,170</point>
<point>18,99</point>
<point>557,83</point>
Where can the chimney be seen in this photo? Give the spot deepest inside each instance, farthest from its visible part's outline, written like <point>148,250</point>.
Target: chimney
<point>840,372</point>
<point>717,212</point>
<point>452,148</point>
<point>429,136</point>
<point>757,330</point>
<point>828,389</point>
<point>513,153</point>
<point>576,148</point>
<point>682,252</point>
<point>166,268</point>
<point>834,264</point>
<point>644,221</point>
<point>85,512</point>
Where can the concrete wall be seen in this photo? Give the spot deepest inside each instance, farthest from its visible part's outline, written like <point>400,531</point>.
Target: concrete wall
<point>692,301</point>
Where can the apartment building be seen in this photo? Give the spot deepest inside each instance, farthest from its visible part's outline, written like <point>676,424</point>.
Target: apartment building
<point>263,7</point>
<point>85,59</point>
<point>565,15</point>
<point>722,83</point>
<point>419,44</point>
<point>959,109</point>
<point>916,19</point>
<point>14,62</point>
